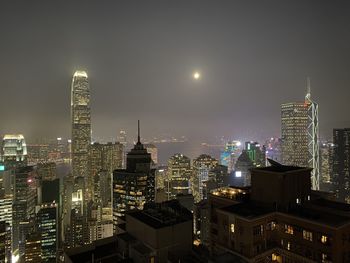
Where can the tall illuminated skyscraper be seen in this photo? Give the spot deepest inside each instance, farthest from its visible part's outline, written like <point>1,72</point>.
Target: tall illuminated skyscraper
<point>300,136</point>
<point>81,123</point>
<point>313,138</point>
<point>340,176</point>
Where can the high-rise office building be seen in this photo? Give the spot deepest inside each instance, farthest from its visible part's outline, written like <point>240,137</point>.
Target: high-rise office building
<point>256,153</point>
<point>38,153</point>
<point>178,176</point>
<point>300,135</point>
<point>48,227</point>
<point>135,185</point>
<point>241,176</point>
<point>3,234</point>
<point>122,137</point>
<point>47,171</point>
<point>33,248</point>
<point>152,149</point>
<point>229,155</point>
<point>202,166</point>
<point>326,165</point>
<point>103,160</point>
<point>14,151</point>
<point>341,164</point>
<point>273,149</point>
<point>81,124</point>
<point>24,202</point>
<point>6,210</point>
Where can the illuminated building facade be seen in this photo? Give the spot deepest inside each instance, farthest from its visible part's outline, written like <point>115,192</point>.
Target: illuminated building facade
<point>6,210</point>
<point>178,176</point>
<point>202,166</point>
<point>300,135</point>
<point>341,164</point>
<point>313,138</point>
<point>273,149</point>
<point>122,137</point>
<point>33,248</point>
<point>256,153</point>
<point>152,149</point>
<point>81,124</point>
<point>161,177</point>
<point>48,227</point>
<point>38,153</point>
<point>2,241</point>
<point>23,210</point>
<point>241,176</point>
<point>292,223</point>
<point>326,165</point>
<point>229,155</point>
<point>103,160</point>
<point>294,134</point>
<point>14,151</point>
<point>5,242</point>
<point>47,171</point>
<point>135,185</point>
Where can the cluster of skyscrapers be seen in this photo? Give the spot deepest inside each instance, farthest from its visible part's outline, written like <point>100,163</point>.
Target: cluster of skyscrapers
<point>255,203</point>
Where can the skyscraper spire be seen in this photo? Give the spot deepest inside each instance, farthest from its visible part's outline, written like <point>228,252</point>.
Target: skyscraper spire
<point>308,88</point>
<point>138,132</point>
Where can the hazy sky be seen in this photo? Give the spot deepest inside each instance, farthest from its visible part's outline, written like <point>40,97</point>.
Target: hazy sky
<point>140,55</point>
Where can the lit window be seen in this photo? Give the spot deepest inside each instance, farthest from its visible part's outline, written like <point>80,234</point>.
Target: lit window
<point>307,235</point>
<point>288,245</point>
<point>324,239</point>
<point>288,229</point>
<point>271,226</point>
<point>232,228</point>
<point>325,258</point>
<point>298,201</point>
<point>276,257</point>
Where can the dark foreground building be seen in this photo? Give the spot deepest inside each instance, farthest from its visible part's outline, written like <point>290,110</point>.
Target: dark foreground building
<point>279,219</point>
<point>134,186</point>
<point>159,233</point>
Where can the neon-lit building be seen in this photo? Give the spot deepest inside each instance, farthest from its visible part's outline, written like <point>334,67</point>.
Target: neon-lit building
<point>229,155</point>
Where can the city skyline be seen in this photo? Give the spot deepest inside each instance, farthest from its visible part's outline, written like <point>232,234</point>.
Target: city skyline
<point>244,150</point>
<point>240,89</point>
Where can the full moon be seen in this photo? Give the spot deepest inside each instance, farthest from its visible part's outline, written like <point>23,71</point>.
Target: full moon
<point>196,75</point>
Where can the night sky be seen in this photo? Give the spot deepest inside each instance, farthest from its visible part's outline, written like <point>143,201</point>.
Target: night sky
<point>140,57</point>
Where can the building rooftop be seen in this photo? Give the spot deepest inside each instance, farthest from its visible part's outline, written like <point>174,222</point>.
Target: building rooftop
<point>142,249</point>
<point>280,168</point>
<point>232,192</point>
<point>103,250</point>
<point>250,210</point>
<point>162,215</point>
<point>126,237</point>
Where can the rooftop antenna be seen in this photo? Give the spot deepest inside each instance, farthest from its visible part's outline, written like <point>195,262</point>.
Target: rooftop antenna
<point>308,88</point>
<point>138,131</point>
